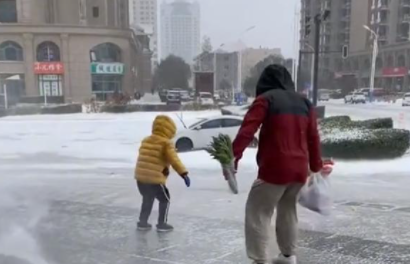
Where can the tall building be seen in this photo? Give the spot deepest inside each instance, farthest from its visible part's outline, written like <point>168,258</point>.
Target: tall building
<point>180,29</point>
<point>68,50</point>
<point>389,19</point>
<point>144,16</point>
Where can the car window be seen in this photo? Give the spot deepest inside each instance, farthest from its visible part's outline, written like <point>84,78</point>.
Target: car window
<point>196,123</point>
<point>212,124</point>
<point>229,122</point>
<point>407,96</point>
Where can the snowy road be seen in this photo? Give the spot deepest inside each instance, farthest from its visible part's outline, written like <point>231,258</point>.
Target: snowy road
<point>67,196</point>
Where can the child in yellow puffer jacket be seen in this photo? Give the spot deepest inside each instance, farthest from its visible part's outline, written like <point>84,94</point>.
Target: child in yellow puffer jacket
<point>156,154</point>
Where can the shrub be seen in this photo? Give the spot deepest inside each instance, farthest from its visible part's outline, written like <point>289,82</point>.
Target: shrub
<point>63,109</point>
<point>344,122</point>
<point>365,143</point>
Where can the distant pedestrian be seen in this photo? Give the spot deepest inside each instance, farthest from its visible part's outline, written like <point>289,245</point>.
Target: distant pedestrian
<point>156,155</point>
<point>288,146</point>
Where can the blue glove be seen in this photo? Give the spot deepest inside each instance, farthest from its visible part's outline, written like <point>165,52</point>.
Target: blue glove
<point>187,180</point>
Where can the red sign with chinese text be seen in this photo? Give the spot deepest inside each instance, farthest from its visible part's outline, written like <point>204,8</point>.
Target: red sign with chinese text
<point>395,72</point>
<point>49,68</point>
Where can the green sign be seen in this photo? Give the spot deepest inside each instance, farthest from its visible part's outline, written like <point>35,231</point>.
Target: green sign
<point>107,68</point>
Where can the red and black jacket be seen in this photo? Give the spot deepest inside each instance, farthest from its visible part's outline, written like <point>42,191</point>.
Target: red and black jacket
<point>289,143</point>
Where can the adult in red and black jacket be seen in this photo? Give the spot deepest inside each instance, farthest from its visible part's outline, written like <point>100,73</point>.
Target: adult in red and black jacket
<point>289,145</point>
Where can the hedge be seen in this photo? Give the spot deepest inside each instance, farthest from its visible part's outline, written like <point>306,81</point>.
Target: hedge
<point>63,109</point>
<point>346,123</point>
<point>153,108</point>
<point>370,139</point>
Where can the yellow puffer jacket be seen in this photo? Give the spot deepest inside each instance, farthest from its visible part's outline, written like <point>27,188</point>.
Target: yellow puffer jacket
<point>157,153</point>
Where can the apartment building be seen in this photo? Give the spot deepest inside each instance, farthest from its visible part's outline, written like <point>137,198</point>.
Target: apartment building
<point>388,19</point>
<point>68,50</point>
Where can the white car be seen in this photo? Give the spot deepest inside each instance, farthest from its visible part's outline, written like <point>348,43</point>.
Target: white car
<point>199,135</point>
<point>349,98</point>
<point>324,97</point>
<point>406,100</point>
<point>206,98</point>
<point>358,98</point>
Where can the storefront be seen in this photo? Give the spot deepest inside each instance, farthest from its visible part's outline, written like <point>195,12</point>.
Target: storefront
<point>106,79</point>
<point>50,78</point>
<point>394,78</point>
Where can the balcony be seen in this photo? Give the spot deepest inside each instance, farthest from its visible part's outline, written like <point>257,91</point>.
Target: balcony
<point>347,4</point>
<point>405,3</point>
<point>383,5</point>
<point>405,18</point>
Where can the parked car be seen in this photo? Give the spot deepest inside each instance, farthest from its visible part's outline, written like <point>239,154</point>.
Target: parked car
<point>199,135</point>
<point>206,98</point>
<point>349,98</point>
<point>185,96</point>
<point>358,98</point>
<point>324,97</point>
<point>174,97</point>
<point>406,99</point>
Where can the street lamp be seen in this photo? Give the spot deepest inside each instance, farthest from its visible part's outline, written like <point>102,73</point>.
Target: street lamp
<point>312,67</point>
<point>374,57</point>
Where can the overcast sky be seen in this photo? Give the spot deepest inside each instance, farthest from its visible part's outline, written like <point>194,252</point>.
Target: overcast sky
<point>225,20</point>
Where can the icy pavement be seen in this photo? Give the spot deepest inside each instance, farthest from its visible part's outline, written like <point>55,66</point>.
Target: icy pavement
<point>67,196</point>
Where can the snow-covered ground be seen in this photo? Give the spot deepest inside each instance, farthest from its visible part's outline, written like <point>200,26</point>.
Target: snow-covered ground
<point>83,165</point>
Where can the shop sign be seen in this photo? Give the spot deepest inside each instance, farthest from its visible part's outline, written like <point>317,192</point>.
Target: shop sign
<point>107,68</point>
<point>48,68</point>
<point>395,72</point>
<point>49,78</point>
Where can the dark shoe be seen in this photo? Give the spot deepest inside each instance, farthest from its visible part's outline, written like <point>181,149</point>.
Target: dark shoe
<point>164,228</point>
<point>144,226</point>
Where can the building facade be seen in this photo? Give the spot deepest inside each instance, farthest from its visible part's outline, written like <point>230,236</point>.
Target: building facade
<point>144,15</point>
<point>180,30</point>
<point>251,56</point>
<point>72,50</point>
<point>389,19</point>
<point>226,69</point>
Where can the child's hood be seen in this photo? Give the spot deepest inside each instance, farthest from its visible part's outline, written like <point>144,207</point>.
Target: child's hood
<point>164,126</point>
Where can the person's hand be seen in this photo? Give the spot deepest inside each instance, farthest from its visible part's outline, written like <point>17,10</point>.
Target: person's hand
<point>236,164</point>
<point>187,180</point>
<point>326,170</point>
<point>165,172</point>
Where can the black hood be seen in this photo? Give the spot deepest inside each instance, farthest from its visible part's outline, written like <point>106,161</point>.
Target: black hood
<point>274,77</point>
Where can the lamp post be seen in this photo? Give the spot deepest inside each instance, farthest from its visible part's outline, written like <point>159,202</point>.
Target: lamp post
<point>312,67</point>
<point>374,57</point>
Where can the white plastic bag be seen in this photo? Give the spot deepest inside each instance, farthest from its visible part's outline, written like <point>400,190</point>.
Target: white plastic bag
<point>316,194</point>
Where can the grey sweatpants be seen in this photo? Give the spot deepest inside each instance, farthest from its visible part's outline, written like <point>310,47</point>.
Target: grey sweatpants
<point>263,199</point>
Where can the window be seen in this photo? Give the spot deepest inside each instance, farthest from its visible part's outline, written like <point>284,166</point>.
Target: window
<point>96,11</point>
<point>231,122</point>
<point>8,11</point>
<point>48,51</point>
<point>212,124</point>
<point>103,86</point>
<point>11,51</point>
<point>106,52</point>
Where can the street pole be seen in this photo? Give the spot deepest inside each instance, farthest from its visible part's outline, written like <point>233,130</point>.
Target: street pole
<point>318,21</point>
<point>374,59</point>
<point>6,100</point>
<point>45,96</point>
<point>373,70</point>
